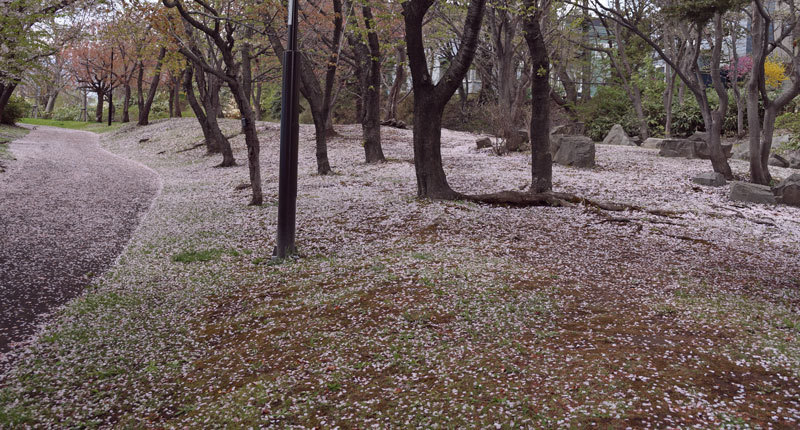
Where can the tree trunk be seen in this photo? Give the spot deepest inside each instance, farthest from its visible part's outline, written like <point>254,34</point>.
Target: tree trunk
<point>139,87</point>
<point>251,140</point>
<point>430,99</point>
<point>51,102</point>
<point>144,111</point>
<point>209,86</point>
<point>257,103</point>
<point>397,85</point>
<point>669,95</point>
<point>5,95</point>
<point>541,159</point>
<point>368,69</point>
<point>126,104</point>
<point>98,115</point>
<point>212,146</point>
<point>313,93</point>
<point>431,179</point>
<point>718,159</point>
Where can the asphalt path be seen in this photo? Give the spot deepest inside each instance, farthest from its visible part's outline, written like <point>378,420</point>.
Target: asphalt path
<point>67,210</point>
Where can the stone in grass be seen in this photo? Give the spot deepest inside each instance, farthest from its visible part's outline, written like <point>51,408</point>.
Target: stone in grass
<point>752,193</point>
<point>617,136</point>
<point>576,151</point>
<point>483,143</point>
<point>788,190</point>
<point>710,179</point>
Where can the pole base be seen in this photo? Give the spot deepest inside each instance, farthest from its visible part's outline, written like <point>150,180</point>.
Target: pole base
<point>290,251</point>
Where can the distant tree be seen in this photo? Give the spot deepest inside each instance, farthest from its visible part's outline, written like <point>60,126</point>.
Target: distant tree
<point>363,39</point>
<point>700,15</point>
<point>222,28</point>
<point>27,35</point>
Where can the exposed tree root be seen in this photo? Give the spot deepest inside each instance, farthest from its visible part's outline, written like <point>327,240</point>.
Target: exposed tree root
<point>195,146</point>
<point>523,199</point>
<point>203,142</point>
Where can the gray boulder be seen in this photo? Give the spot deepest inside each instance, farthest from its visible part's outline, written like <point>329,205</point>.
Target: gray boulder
<point>741,152</point>
<point>484,142</point>
<point>777,161</point>
<point>617,136</point>
<point>710,179</point>
<point>753,193</point>
<point>702,151</point>
<point>788,190</point>
<point>699,136</point>
<point>793,157</point>
<point>678,148</point>
<point>652,143</point>
<point>576,151</point>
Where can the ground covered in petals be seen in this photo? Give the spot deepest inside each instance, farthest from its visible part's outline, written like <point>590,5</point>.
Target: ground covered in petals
<point>402,312</point>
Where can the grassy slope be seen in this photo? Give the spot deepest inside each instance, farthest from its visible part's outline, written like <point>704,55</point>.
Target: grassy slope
<point>75,125</point>
<point>404,313</point>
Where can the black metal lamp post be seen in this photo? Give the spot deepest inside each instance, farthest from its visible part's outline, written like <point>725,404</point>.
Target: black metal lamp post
<point>290,127</point>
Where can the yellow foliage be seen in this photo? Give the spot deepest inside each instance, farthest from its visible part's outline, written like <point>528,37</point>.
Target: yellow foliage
<point>774,73</point>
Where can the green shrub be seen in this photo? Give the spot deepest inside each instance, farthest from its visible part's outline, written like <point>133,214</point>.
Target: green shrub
<point>609,106</point>
<point>67,113</point>
<point>790,121</point>
<point>16,108</point>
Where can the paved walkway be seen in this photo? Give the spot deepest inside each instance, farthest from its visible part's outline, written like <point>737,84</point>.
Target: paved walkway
<point>67,209</point>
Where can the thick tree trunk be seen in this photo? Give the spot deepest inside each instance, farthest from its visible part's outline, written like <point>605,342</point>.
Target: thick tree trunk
<point>431,179</point>
<point>5,95</point>
<point>541,159</point>
<point>98,114</point>
<point>430,99</point>
<point>144,111</point>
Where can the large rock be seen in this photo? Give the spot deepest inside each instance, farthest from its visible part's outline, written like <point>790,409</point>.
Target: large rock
<point>741,152</point>
<point>617,136</point>
<point>576,151</point>
<point>788,190</point>
<point>699,136</point>
<point>518,141</point>
<point>753,193</point>
<point>678,148</point>
<point>484,142</point>
<point>777,161</point>
<point>702,151</point>
<point>573,128</point>
<point>652,143</point>
<point>793,157</point>
<point>710,179</point>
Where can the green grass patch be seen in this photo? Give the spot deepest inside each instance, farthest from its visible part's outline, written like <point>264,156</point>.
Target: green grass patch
<point>73,125</point>
<point>10,133</point>
<point>192,256</point>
